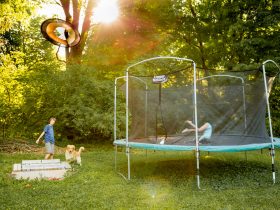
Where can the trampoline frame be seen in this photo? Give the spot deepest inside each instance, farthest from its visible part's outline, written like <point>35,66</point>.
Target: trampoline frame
<point>128,145</point>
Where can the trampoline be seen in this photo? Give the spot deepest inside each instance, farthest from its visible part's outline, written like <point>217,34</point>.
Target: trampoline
<point>156,96</point>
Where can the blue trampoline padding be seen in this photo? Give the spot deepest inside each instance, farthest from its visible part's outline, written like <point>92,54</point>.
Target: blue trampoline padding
<point>231,148</point>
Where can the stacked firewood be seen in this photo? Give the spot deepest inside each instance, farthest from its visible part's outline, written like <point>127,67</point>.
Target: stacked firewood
<point>22,146</point>
<point>19,146</point>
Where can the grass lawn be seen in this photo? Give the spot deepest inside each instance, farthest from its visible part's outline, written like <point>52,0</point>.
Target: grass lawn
<point>160,180</point>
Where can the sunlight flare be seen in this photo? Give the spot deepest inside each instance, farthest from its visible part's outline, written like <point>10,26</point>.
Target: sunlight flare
<point>50,10</point>
<point>106,11</point>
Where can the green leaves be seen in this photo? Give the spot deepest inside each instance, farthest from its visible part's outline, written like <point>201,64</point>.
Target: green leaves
<point>34,85</point>
<point>14,12</point>
<point>239,32</point>
<point>86,104</point>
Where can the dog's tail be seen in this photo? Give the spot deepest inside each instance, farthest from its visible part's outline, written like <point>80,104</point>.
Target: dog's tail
<point>81,149</point>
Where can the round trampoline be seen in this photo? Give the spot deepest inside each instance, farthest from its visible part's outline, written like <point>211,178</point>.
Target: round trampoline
<point>166,102</point>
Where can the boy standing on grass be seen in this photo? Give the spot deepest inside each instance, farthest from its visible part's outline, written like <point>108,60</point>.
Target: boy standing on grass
<point>49,139</point>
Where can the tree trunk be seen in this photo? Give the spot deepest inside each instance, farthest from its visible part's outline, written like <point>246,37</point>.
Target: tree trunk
<point>74,54</point>
<point>200,45</point>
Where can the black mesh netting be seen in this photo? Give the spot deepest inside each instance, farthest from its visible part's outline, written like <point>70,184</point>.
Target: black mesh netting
<point>233,103</point>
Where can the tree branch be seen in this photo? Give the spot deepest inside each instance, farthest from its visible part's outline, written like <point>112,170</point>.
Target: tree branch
<point>66,8</point>
<point>87,21</point>
<point>76,14</point>
<point>76,51</point>
<point>201,45</point>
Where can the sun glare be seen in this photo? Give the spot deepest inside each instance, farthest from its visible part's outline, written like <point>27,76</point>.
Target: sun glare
<point>50,10</point>
<point>106,11</point>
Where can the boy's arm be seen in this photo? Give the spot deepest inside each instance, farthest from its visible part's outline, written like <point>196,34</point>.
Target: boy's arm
<point>42,134</point>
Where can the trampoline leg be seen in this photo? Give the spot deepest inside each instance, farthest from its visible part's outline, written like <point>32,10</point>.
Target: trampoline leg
<point>116,154</point>
<point>116,151</point>
<point>246,156</point>
<point>128,163</point>
<point>197,169</point>
<point>273,165</point>
<point>273,174</point>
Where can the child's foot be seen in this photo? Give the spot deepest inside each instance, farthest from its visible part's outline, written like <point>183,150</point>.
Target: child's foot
<point>185,130</point>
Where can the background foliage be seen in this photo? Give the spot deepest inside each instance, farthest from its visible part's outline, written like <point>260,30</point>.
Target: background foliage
<point>34,85</point>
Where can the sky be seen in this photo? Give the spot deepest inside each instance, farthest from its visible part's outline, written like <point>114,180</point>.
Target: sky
<point>49,10</point>
<point>106,11</point>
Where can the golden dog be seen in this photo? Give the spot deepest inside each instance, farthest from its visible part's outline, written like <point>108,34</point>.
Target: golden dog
<point>71,155</point>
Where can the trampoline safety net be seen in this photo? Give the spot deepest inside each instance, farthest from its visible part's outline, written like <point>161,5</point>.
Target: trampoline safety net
<point>161,100</point>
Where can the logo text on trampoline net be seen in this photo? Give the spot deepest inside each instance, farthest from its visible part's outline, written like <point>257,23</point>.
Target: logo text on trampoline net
<point>160,79</point>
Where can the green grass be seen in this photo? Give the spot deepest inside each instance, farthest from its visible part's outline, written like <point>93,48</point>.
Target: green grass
<point>160,180</point>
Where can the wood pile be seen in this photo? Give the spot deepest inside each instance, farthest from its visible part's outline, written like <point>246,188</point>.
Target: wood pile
<point>21,146</point>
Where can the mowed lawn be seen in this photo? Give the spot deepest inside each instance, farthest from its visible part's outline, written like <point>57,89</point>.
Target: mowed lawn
<point>160,180</point>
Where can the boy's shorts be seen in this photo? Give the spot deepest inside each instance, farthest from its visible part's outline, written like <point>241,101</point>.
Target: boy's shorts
<point>204,137</point>
<point>49,148</point>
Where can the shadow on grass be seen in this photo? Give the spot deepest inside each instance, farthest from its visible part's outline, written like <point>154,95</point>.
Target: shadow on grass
<point>230,171</point>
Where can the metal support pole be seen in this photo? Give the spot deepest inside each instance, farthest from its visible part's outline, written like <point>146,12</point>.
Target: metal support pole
<point>115,116</point>
<point>126,127</point>
<point>158,109</point>
<point>269,118</point>
<point>127,115</point>
<point>116,151</point>
<point>244,105</point>
<point>146,105</point>
<point>115,110</point>
<point>156,125</point>
<point>196,127</point>
<point>197,168</point>
<point>128,163</point>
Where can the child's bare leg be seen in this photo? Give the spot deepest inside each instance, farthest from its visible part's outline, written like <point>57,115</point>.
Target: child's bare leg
<point>47,156</point>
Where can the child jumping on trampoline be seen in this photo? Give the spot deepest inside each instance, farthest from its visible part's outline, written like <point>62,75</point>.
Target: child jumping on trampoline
<point>206,129</point>
<point>49,138</point>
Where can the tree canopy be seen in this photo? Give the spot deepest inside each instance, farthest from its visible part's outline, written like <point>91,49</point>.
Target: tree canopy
<point>35,85</point>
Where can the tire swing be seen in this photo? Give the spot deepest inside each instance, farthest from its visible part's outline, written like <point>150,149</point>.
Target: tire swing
<point>49,30</point>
